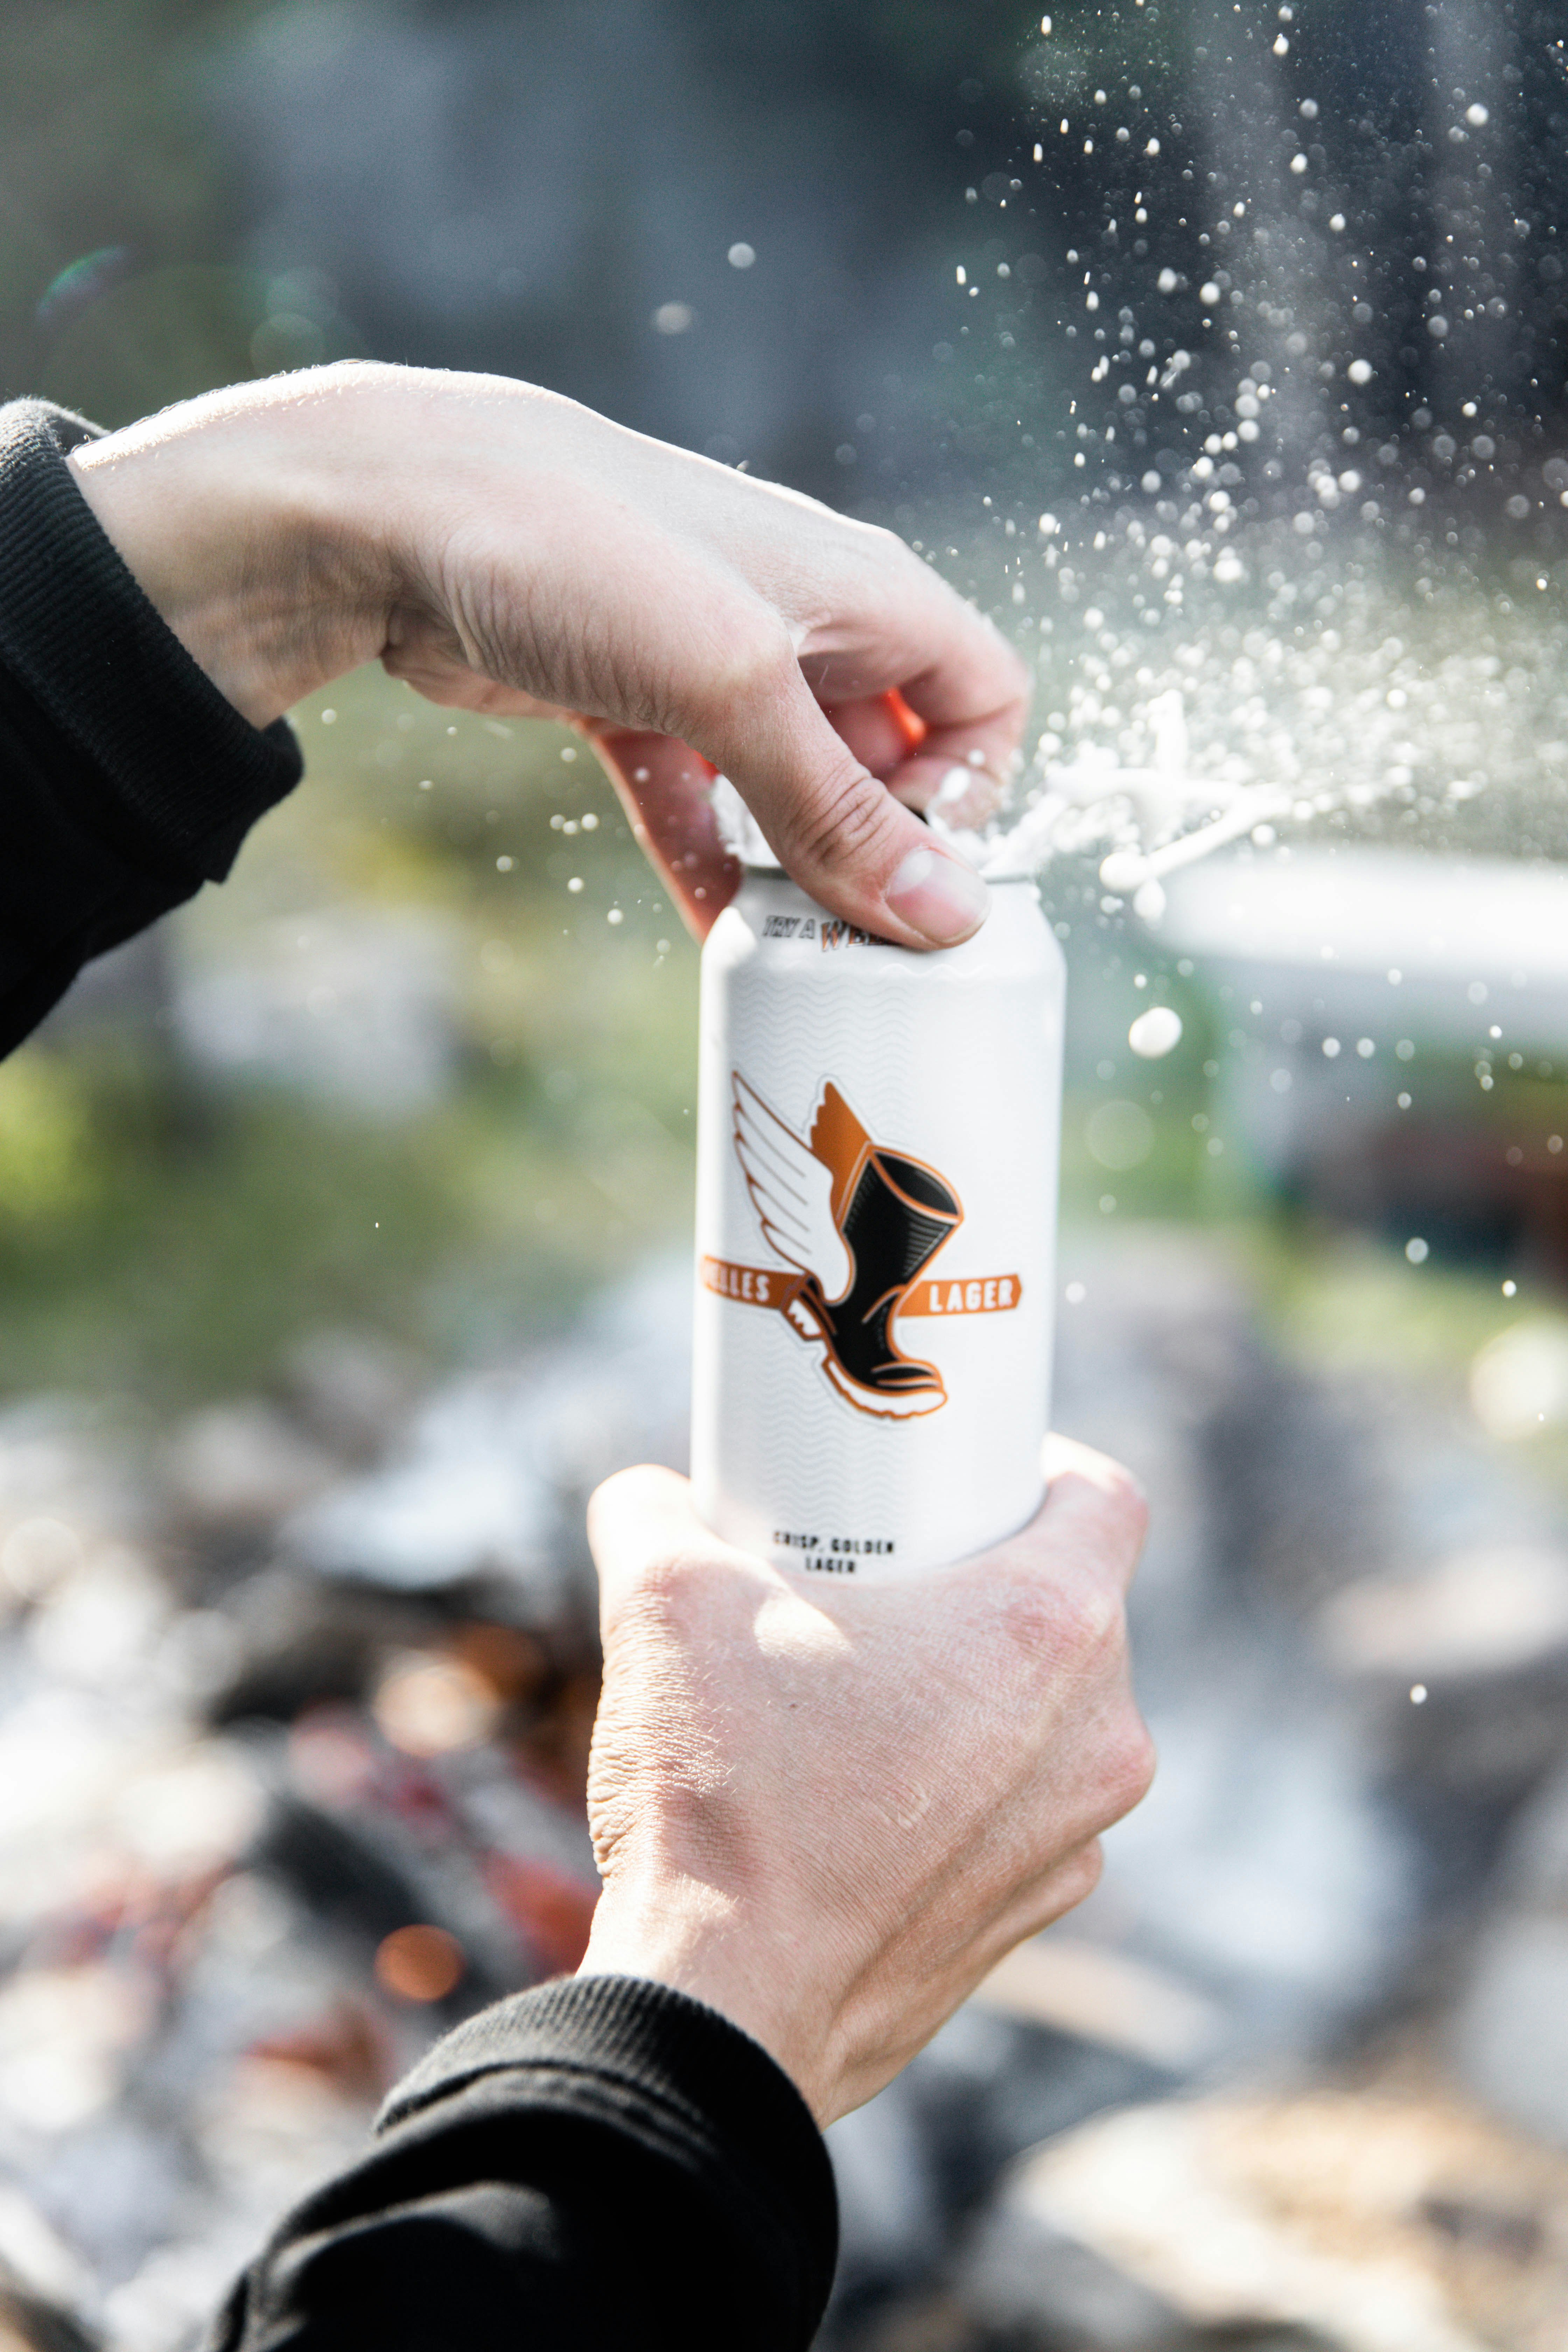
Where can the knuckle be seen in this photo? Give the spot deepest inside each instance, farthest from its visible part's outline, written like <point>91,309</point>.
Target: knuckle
<point>850,822</point>
<point>1129,1504</point>
<point>751,660</point>
<point>1094,1624</point>
<point>1118,1502</point>
<point>1075,1878</point>
<point>1032,1618</point>
<point>1130,1769</point>
<point>671,1593</point>
<point>1090,1868</point>
<point>1075,1625</point>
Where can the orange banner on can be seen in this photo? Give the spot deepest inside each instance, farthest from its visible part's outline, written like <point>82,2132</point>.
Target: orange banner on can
<point>753,1286</point>
<point>989,1294</point>
<point>772,1285</point>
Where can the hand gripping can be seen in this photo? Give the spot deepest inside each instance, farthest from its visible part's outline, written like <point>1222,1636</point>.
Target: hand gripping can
<point>878,1136</point>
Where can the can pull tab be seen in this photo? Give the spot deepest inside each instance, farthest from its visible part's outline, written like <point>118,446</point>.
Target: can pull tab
<point>910,723</point>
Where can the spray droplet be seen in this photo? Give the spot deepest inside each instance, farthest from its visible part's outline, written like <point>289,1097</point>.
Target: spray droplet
<point>1418,1694</point>
<point>1155,1032</point>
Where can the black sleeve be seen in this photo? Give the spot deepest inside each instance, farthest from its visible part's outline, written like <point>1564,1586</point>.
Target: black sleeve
<point>126,778</point>
<point>599,2163</point>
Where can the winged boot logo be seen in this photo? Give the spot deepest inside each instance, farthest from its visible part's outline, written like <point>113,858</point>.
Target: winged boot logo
<point>858,1222</point>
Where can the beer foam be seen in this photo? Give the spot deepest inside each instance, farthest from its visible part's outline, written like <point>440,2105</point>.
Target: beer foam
<point>1362,692</point>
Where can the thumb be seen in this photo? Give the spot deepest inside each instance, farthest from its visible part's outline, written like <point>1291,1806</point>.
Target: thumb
<point>641,1517</point>
<point>836,830</point>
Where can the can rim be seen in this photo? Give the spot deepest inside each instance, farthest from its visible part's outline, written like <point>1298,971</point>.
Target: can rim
<point>992,881</point>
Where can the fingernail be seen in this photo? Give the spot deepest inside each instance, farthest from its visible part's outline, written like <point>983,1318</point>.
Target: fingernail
<point>937,896</point>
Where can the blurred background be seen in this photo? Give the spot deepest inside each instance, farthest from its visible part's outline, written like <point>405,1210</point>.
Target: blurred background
<point>1220,352</point>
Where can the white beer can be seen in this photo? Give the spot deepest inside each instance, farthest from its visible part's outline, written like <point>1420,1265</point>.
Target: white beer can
<point>878,1137</point>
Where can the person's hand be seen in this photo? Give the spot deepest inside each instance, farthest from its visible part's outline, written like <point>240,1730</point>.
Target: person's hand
<point>505,549</point>
<point>829,1810</point>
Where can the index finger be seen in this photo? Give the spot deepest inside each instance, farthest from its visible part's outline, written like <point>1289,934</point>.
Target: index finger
<point>862,615</point>
<point>900,626</point>
<point>1093,1511</point>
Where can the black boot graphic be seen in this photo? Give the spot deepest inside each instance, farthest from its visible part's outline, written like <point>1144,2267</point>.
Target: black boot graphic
<point>898,1215</point>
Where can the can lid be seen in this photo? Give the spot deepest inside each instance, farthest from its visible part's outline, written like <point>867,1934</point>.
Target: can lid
<point>910,723</point>
<point>738,829</point>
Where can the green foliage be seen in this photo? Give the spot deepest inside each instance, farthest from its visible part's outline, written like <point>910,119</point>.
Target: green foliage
<point>103,148</point>
<point>42,1136</point>
<point>172,1236</point>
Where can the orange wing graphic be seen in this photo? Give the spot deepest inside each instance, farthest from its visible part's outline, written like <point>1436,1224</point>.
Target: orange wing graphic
<point>860,1222</point>
<point>793,1191</point>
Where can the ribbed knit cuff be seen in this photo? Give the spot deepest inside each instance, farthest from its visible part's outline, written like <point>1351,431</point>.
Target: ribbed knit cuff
<point>171,754</point>
<point>696,2077</point>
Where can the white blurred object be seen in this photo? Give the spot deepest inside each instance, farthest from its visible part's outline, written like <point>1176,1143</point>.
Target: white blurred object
<point>99,1625</point>
<point>355,1007</point>
<point>37,2255</point>
<point>64,2033</point>
<point>1076,1987</point>
<point>492,1476</point>
<point>1518,1381</point>
<point>244,1464</point>
<point>1156,1032</point>
<point>1482,1611</point>
<point>1177,2200</point>
<point>1362,911</point>
<point>1510,2029</point>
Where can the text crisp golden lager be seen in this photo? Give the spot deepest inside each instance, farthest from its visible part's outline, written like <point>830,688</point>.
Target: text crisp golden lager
<point>878,1135</point>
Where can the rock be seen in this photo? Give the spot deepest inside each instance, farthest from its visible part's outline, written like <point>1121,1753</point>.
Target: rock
<point>492,1478</point>
<point>922,2157</point>
<point>1376,2223</point>
<point>1484,1611</point>
<point>245,1465</point>
<point>1510,2030</point>
<point>1034,2286</point>
<point>1091,1991</point>
<point>353,1389</point>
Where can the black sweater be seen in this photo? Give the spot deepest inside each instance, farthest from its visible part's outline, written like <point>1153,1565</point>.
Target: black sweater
<point>601,2162</point>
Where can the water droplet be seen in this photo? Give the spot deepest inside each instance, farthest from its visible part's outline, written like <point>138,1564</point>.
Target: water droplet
<point>1156,1032</point>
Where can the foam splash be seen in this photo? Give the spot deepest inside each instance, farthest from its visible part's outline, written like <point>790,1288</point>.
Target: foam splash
<point>1339,682</point>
